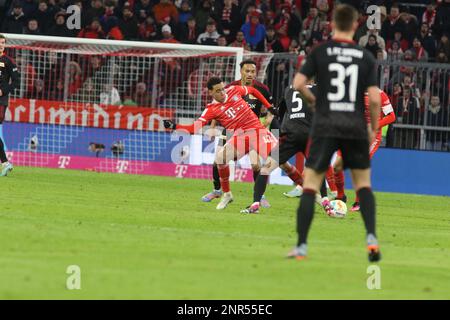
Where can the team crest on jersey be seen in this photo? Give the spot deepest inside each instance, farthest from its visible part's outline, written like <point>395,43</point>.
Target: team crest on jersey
<point>235,98</point>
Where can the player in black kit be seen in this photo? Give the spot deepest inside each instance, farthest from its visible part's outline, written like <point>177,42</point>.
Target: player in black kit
<point>343,72</point>
<point>295,129</point>
<point>9,80</point>
<point>248,78</point>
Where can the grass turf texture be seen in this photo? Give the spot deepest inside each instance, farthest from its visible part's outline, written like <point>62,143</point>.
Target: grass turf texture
<point>151,237</point>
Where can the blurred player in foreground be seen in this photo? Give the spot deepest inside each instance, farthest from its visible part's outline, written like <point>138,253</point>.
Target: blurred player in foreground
<point>344,71</point>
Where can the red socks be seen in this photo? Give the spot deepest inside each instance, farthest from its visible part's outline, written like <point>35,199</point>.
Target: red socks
<point>224,173</point>
<point>339,179</point>
<point>295,176</point>
<point>330,179</point>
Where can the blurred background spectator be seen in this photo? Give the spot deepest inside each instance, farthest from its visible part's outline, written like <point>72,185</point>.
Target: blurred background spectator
<point>422,27</point>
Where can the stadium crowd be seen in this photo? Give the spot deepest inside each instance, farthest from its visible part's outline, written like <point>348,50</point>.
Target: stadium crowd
<point>410,31</point>
<point>256,25</point>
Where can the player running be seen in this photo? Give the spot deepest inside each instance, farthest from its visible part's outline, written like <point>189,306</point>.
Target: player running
<point>233,112</point>
<point>344,71</point>
<point>387,116</point>
<point>9,80</point>
<point>248,79</point>
<point>294,138</point>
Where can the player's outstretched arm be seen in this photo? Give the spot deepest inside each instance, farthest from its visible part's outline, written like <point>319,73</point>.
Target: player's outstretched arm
<point>191,128</point>
<point>300,84</point>
<point>257,94</point>
<point>198,124</point>
<point>387,119</point>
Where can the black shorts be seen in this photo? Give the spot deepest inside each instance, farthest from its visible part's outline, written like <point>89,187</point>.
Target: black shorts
<point>275,124</point>
<point>355,153</point>
<point>290,145</point>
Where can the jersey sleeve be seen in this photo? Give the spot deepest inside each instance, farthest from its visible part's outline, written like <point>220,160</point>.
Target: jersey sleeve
<point>386,105</point>
<point>204,119</point>
<point>282,109</point>
<point>207,115</point>
<point>371,79</point>
<point>258,95</point>
<point>15,78</point>
<point>309,69</point>
<point>265,92</point>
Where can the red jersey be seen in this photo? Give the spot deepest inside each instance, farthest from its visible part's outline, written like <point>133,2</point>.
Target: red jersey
<point>386,109</point>
<point>234,113</point>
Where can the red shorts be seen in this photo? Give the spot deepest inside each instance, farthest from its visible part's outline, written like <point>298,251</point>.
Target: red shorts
<point>260,140</point>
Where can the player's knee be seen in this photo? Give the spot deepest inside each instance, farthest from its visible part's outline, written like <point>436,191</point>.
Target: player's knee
<point>265,171</point>
<point>338,165</point>
<point>256,167</point>
<point>220,158</point>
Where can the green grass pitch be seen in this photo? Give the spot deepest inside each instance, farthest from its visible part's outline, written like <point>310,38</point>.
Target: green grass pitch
<point>142,237</point>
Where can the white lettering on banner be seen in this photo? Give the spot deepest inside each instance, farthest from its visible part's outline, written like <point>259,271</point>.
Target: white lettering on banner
<point>63,162</point>
<point>84,118</point>
<point>122,166</point>
<point>180,170</point>
<point>8,115</point>
<point>100,112</point>
<point>18,111</point>
<point>41,111</point>
<point>87,115</point>
<point>155,119</point>
<point>63,115</point>
<point>133,118</point>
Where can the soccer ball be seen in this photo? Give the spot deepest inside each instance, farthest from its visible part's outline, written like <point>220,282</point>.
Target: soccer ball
<point>339,207</point>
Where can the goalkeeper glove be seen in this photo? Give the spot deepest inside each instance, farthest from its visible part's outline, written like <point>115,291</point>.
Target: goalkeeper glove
<point>273,111</point>
<point>169,124</point>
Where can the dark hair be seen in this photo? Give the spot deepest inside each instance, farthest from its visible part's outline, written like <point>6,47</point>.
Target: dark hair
<point>344,16</point>
<point>248,61</point>
<point>212,82</point>
<point>2,37</point>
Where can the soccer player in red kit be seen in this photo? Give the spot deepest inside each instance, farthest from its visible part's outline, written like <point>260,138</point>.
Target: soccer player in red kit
<point>387,116</point>
<point>231,110</point>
